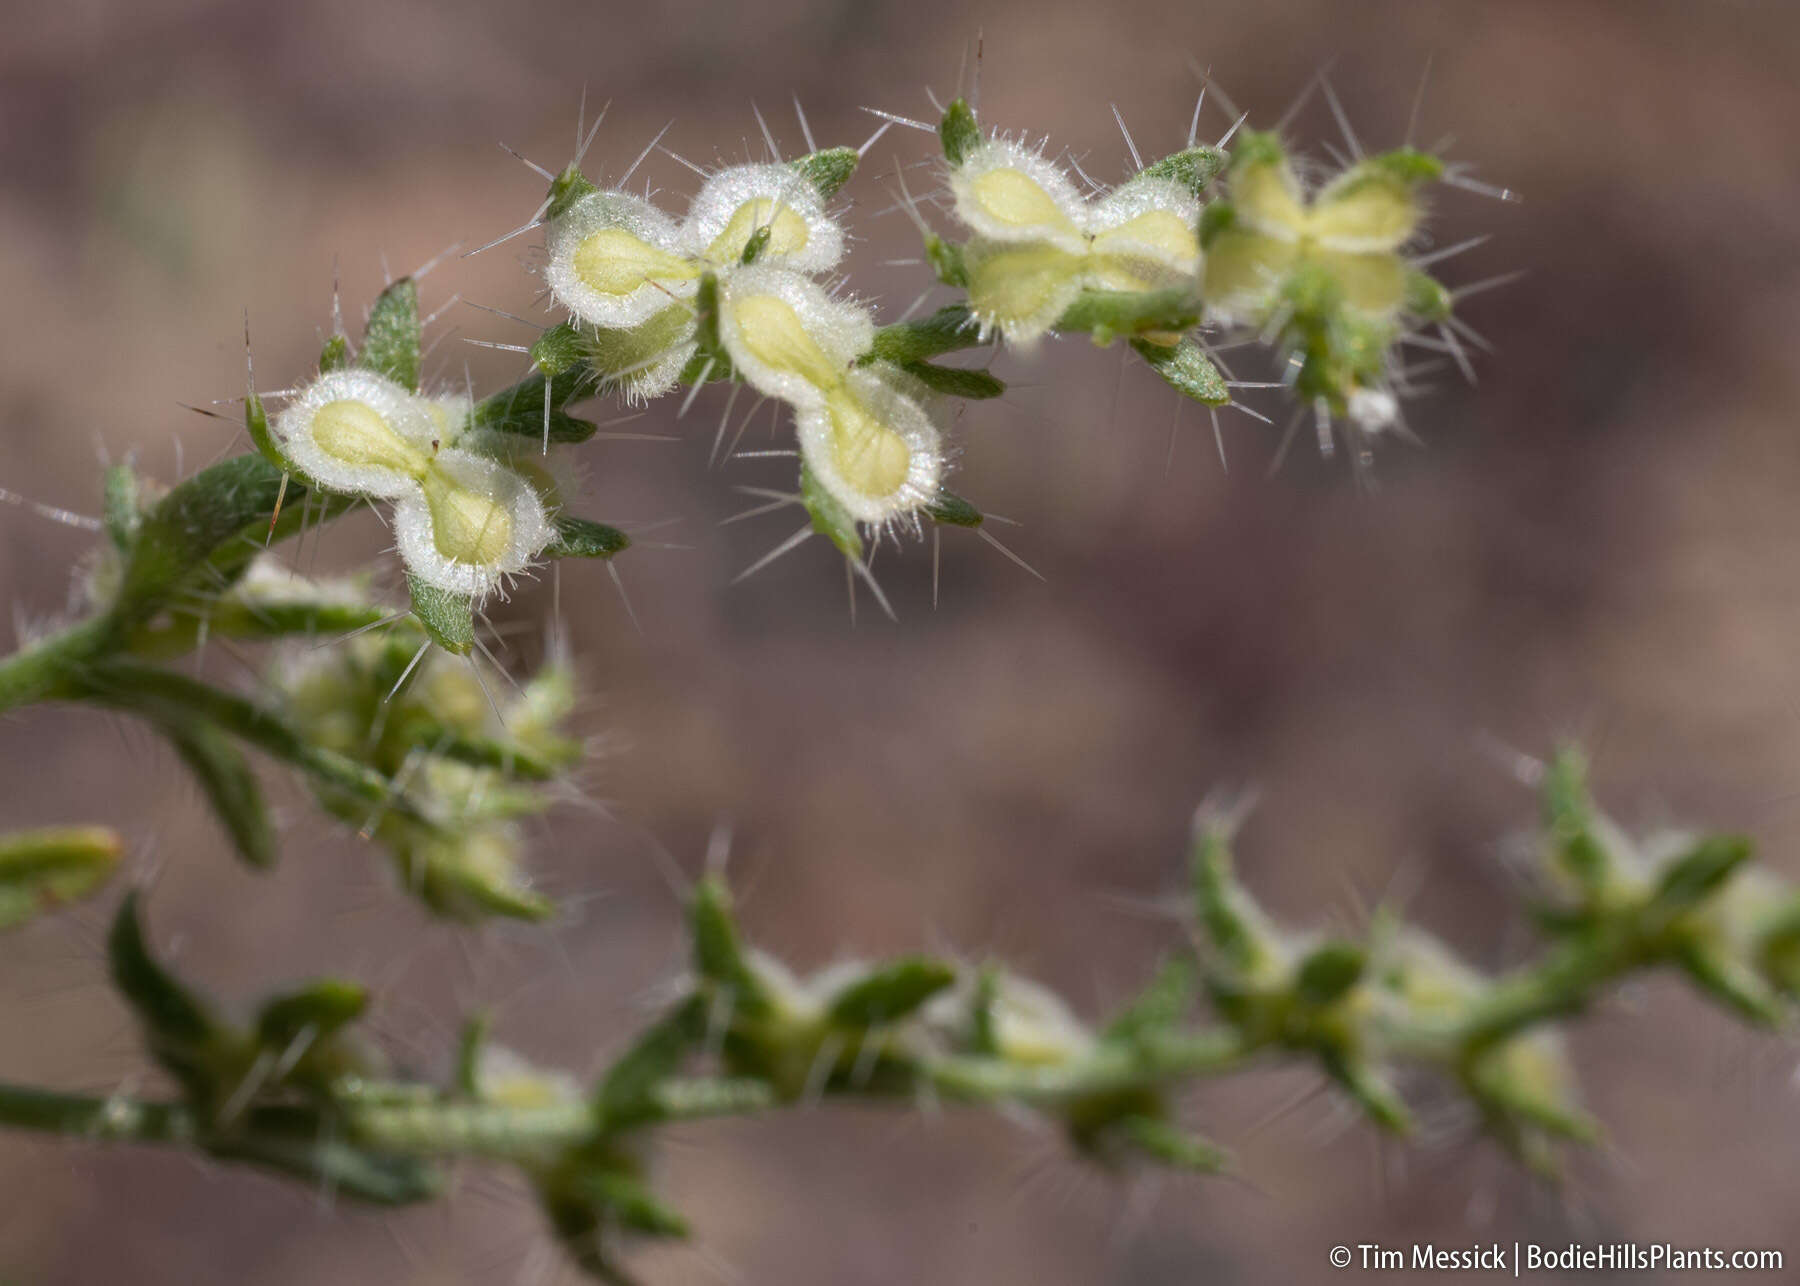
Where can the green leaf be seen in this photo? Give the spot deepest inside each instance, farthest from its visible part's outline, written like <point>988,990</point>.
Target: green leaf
<point>1194,168</point>
<point>229,784</point>
<point>198,539</point>
<point>1169,1144</point>
<point>391,339</point>
<point>1231,918</point>
<point>307,1144</point>
<point>984,1038</point>
<point>828,169</point>
<point>180,1029</point>
<point>1370,1090</point>
<point>1217,218</point>
<point>120,506</point>
<point>626,1095</point>
<point>565,190</point>
<point>954,381</point>
<point>1732,983</point>
<point>335,356</point>
<point>623,1199</point>
<point>952,510</point>
<point>1187,369</point>
<point>471,1044</point>
<point>946,259</point>
<point>468,873</point>
<point>448,617</point>
<point>829,518</point>
<point>948,330</point>
<point>1697,874</point>
<point>890,993</point>
<point>562,377</point>
<point>323,1007</point>
<point>41,869</point>
<point>754,245</point>
<point>1107,315</point>
<point>709,350</point>
<point>256,423</point>
<point>1160,1006</point>
<point>1329,971</point>
<point>215,509</point>
<point>1427,298</point>
<point>163,695</point>
<point>1570,818</point>
<point>959,131</point>
<point>718,951</point>
<point>580,538</point>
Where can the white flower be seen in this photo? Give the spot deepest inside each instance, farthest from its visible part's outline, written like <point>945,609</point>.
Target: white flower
<point>355,431</point>
<point>469,523</point>
<point>616,261</point>
<point>466,516</point>
<point>864,432</point>
<point>1039,243</point>
<point>628,272</point>
<point>735,202</point>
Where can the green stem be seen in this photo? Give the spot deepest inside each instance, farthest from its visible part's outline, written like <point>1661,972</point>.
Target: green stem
<point>85,1116</point>
<point>42,671</point>
<point>1560,984</point>
<point>152,692</point>
<point>1110,1068</point>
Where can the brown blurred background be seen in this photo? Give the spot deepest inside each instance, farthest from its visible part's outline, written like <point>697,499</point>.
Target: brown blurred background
<point>1600,540</point>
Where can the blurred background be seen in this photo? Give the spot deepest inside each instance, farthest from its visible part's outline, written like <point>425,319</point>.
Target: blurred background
<point>1600,541</point>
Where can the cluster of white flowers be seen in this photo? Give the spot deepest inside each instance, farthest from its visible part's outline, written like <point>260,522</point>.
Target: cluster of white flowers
<point>630,277</point>
<point>468,510</point>
<point>1039,242</point>
<point>1333,260</point>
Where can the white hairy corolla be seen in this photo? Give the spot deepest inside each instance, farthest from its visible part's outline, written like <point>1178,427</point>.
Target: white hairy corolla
<point>355,431</point>
<point>470,523</point>
<point>462,521</point>
<point>616,260</point>
<point>628,273</point>
<point>1353,228</point>
<point>1039,243</point>
<point>865,431</point>
<point>734,203</point>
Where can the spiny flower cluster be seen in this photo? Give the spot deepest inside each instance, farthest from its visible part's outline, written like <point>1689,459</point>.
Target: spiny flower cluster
<point>464,768</point>
<point>733,290</point>
<point>1039,242</point>
<point>1326,277</point>
<point>1326,273</point>
<point>465,515</point>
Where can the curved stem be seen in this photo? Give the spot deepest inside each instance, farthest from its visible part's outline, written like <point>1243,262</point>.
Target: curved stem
<point>40,671</point>
<point>110,1119</point>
